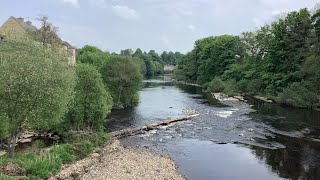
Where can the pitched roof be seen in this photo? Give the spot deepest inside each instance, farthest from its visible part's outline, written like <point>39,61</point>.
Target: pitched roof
<point>26,26</point>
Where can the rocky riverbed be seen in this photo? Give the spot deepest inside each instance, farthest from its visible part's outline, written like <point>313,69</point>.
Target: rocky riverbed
<point>113,161</point>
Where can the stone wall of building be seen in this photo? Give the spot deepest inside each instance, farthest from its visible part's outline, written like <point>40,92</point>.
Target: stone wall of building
<point>12,26</point>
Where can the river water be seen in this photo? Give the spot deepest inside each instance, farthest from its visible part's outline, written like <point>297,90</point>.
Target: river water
<point>253,140</point>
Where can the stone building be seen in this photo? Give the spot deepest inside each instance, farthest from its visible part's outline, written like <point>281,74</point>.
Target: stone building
<point>21,27</point>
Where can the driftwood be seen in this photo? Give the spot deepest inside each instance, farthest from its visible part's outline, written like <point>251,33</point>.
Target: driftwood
<point>143,129</point>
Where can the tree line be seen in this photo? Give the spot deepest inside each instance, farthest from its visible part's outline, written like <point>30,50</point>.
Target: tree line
<point>280,61</point>
<point>152,63</point>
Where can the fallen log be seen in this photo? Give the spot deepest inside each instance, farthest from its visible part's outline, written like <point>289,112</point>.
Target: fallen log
<point>140,130</point>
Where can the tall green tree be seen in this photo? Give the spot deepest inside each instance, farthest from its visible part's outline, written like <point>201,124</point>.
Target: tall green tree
<point>123,78</point>
<point>92,55</point>
<point>36,86</point>
<point>92,103</point>
<point>217,54</point>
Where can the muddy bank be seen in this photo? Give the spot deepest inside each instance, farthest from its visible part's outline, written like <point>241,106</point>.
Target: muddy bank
<point>113,161</point>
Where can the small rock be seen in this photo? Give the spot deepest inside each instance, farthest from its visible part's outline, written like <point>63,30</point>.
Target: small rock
<point>241,134</point>
<point>250,130</point>
<point>153,132</point>
<point>306,131</point>
<point>178,130</point>
<point>95,155</point>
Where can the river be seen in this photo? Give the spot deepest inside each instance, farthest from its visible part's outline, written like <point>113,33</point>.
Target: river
<point>257,140</point>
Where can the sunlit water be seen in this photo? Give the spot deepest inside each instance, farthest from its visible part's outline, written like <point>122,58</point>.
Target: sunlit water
<point>224,142</point>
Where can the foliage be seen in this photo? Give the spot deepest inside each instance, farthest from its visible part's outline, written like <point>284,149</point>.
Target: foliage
<point>280,60</point>
<point>122,77</point>
<point>296,94</point>
<point>5,177</point>
<point>216,85</point>
<point>172,58</point>
<point>4,123</point>
<point>92,55</point>
<point>47,34</point>
<point>92,102</point>
<point>44,164</point>
<point>82,148</point>
<point>36,85</point>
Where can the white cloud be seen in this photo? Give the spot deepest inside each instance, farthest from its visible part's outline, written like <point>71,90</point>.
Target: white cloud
<point>72,2</point>
<point>125,12</point>
<point>191,27</point>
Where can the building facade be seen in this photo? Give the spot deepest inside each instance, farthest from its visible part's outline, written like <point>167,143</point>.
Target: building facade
<point>21,27</point>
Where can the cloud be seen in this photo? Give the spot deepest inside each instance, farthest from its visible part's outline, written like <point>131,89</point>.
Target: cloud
<point>125,12</point>
<point>191,27</point>
<point>72,2</point>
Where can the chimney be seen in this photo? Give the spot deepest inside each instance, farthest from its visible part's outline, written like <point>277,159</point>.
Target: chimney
<point>20,19</point>
<point>29,23</point>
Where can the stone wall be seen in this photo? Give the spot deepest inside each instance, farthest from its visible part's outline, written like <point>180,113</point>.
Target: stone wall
<point>12,26</point>
<point>169,68</point>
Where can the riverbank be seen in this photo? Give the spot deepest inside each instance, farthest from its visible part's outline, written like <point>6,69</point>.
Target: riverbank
<point>113,161</point>
<point>257,97</point>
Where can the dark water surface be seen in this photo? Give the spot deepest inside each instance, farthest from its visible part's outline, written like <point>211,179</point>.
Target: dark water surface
<point>224,142</point>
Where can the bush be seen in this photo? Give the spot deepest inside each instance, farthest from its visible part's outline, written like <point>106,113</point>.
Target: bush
<point>231,88</point>
<point>82,148</point>
<point>64,153</point>
<point>216,85</point>
<point>296,94</point>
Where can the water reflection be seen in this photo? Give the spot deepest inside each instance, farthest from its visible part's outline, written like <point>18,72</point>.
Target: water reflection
<point>299,160</point>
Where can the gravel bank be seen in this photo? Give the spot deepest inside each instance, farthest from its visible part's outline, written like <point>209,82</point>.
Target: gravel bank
<point>116,162</point>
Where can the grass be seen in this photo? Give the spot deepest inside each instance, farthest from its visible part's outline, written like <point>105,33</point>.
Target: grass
<point>45,163</point>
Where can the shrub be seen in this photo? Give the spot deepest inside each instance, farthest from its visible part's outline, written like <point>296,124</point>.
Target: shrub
<point>216,85</point>
<point>296,94</point>
<point>64,152</point>
<point>82,148</point>
<point>231,88</point>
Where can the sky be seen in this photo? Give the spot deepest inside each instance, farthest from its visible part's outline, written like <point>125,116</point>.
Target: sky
<point>161,25</point>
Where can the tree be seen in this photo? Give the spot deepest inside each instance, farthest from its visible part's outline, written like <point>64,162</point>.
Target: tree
<point>47,34</point>
<point>92,55</point>
<point>36,86</point>
<point>123,78</point>
<point>92,102</point>
<point>126,52</point>
<point>138,54</point>
<point>217,54</point>
<point>164,57</point>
